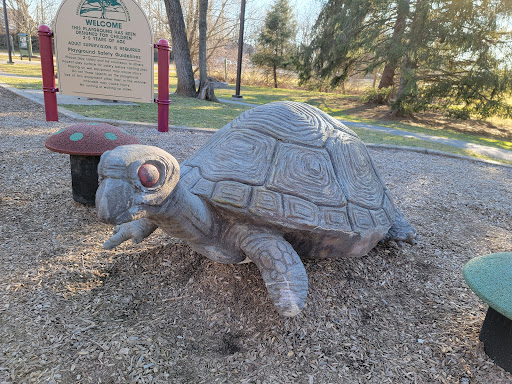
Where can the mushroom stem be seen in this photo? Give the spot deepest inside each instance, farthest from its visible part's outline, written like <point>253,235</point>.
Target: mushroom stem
<point>84,178</point>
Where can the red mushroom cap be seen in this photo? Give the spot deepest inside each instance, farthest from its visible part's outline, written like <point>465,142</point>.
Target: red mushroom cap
<point>89,139</point>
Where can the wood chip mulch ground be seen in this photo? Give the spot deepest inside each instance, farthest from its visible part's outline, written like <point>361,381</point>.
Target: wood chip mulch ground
<point>156,312</point>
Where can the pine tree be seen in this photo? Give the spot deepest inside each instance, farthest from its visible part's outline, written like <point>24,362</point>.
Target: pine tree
<point>276,48</point>
<point>443,52</point>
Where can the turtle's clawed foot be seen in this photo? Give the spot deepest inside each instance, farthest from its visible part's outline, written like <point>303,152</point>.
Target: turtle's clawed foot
<point>281,269</point>
<point>402,231</point>
<point>136,230</point>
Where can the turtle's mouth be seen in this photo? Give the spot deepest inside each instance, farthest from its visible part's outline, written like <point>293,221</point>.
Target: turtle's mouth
<point>114,202</point>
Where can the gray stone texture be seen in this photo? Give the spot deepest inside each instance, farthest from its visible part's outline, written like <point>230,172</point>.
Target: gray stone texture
<point>280,182</point>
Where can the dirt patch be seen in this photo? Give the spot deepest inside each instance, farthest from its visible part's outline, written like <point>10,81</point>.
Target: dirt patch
<point>157,312</point>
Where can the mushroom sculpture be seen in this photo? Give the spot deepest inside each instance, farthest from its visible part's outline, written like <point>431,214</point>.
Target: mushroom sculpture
<point>490,278</point>
<point>85,143</point>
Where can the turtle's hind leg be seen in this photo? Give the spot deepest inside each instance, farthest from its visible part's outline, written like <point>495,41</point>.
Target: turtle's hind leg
<point>281,269</point>
<point>401,230</point>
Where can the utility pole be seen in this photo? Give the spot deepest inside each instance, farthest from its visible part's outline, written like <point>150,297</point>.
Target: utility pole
<point>240,52</point>
<point>7,34</point>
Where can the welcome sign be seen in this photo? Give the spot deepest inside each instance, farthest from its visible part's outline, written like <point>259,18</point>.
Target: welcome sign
<point>104,50</point>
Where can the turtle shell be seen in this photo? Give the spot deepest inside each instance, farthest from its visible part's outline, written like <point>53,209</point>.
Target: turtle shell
<point>290,164</point>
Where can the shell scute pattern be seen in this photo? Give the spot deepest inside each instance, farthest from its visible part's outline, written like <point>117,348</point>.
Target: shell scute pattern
<point>380,218</point>
<point>189,176</point>
<point>294,165</point>
<point>306,173</point>
<point>265,202</point>
<point>203,188</point>
<point>232,193</point>
<point>335,218</point>
<point>300,211</point>
<point>334,123</point>
<point>389,206</point>
<point>354,167</point>
<point>243,155</point>
<point>288,122</point>
<point>360,217</point>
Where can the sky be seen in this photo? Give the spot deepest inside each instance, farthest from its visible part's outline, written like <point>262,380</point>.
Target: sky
<point>305,11</point>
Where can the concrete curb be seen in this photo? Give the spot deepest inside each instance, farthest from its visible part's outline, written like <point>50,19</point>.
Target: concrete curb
<point>76,116</point>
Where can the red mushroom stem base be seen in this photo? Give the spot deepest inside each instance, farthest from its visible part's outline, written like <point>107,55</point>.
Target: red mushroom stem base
<point>84,178</point>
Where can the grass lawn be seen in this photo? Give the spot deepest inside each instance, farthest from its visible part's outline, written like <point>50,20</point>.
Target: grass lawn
<point>22,69</point>
<point>16,56</point>
<point>330,103</point>
<point>23,83</point>
<point>369,136</point>
<point>262,95</point>
<point>184,111</point>
<point>197,113</point>
<point>440,132</point>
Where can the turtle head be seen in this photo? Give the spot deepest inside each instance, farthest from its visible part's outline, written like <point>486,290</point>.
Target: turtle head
<point>134,180</point>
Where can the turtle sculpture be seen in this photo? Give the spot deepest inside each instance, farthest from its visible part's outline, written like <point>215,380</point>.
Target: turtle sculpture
<point>281,180</point>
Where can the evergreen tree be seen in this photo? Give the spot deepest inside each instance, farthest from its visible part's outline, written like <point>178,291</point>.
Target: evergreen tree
<point>443,52</point>
<point>276,46</point>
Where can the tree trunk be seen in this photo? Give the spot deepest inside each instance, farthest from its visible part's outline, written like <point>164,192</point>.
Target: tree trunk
<point>408,82</point>
<point>388,74</point>
<point>206,88</point>
<point>186,84</point>
<point>397,108</point>
<point>274,68</point>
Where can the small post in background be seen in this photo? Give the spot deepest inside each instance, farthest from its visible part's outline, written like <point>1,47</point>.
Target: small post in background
<point>225,70</point>
<point>240,53</point>
<point>10,46</point>
<point>164,52</point>
<point>48,73</point>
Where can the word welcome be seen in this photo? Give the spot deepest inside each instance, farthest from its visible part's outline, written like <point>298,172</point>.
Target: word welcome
<point>103,23</point>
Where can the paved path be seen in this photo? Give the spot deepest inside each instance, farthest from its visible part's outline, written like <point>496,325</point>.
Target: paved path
<point>482,149</point>
<point>503,154</point>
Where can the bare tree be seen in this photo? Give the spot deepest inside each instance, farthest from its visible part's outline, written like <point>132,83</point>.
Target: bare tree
<point>206,88</point>
<point>21,18</point>
<point>186,84</point>
<point>222,19</point>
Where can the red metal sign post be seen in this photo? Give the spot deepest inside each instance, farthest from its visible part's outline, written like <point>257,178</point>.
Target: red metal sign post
<point>48,73</point>
<point>164,51</point>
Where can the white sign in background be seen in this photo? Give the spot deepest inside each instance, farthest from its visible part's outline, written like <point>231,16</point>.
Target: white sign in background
<point>104,50</point>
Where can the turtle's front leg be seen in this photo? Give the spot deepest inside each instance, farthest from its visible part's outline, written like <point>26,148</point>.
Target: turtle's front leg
<point>281,268</point>
<point>136,230</point>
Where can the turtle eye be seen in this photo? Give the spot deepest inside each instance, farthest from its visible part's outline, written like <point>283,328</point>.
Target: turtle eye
<point>148,175</point>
